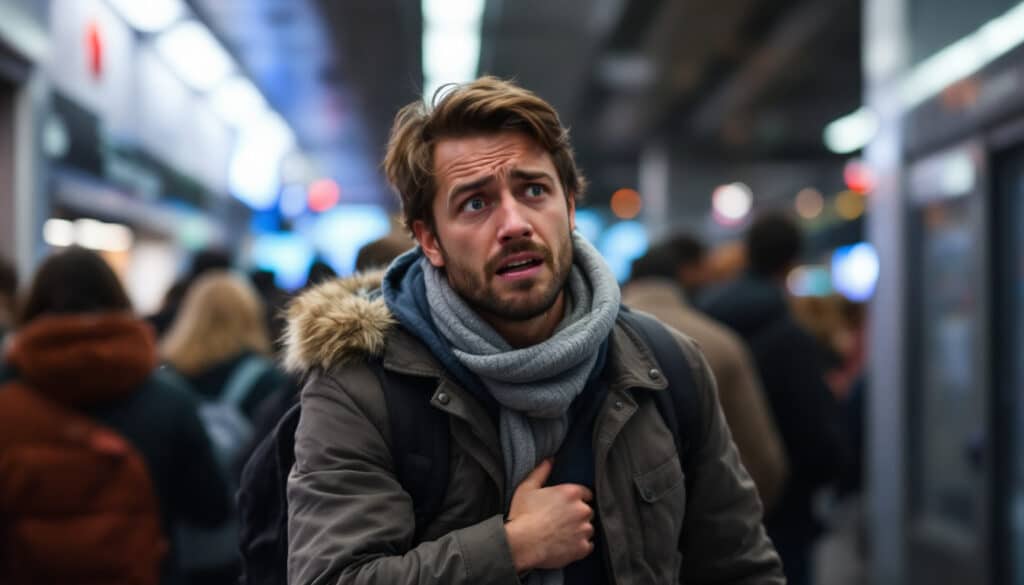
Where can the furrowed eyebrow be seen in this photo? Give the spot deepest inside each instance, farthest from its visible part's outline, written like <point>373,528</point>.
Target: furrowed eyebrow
<point>522,175</point>
<point>467,187</point>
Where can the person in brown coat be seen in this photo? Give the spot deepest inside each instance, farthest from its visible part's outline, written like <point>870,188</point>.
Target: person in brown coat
<point>100,460</point>
<point>659,283</point>
<point>562,468</point>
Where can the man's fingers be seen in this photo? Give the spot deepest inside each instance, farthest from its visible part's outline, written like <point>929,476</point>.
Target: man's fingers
<point>539,476</point>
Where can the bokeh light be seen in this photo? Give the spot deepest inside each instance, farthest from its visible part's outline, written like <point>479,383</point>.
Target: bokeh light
<point>809,203</point>
<point>849,205</point>
<point>731,203</point>
<point>626,203</point>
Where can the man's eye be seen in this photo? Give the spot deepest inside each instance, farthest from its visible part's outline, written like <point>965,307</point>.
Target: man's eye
<point>474,204</point>
<point>535,190</point>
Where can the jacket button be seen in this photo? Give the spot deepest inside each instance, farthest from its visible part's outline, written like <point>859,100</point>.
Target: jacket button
<point>654,374</point>
<point>443,398</point>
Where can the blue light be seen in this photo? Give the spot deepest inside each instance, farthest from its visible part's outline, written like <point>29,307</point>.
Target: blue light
<point>339,233</point>
<point>855,271</point>
<point>286,254</point>
<point>254,171</point>
<point>590,224</point>
<point>621,244</point>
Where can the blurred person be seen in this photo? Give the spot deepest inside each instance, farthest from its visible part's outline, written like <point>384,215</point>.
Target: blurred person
<point>218,348</point>
<point>380,252</point>
<point>319,271</point>
<point>85,426</point>
<point>220,335</point>
<point>275,299</point>
<point>659,283</point>
<point>790,363</point>
<point>202,262</point>
<point>8,298</point>
<point>545,396</point>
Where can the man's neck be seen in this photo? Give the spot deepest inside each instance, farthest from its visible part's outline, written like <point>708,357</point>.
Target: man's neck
<point>532,331</point>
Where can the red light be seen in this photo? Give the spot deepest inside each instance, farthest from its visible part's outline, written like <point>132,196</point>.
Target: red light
<point>94,49</point>
<point>858,177</point>
<point>323,195</point>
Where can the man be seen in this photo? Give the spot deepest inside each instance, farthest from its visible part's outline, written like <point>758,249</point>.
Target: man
<point>790,364</point>
<point>561,468</point>
<point>660,282</point>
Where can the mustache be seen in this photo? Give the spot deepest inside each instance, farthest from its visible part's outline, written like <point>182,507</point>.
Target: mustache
<point>518,248</point>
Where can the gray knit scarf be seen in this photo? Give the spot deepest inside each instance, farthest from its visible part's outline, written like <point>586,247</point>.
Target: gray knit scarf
<point>534,385</point>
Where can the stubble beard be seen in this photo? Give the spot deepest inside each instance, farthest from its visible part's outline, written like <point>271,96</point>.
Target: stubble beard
<point>479,292</point>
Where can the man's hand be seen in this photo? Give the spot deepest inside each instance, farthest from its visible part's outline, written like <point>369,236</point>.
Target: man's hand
<point>549,527</point>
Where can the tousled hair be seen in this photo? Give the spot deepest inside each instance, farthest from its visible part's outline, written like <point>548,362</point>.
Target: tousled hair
<point>484,106</point>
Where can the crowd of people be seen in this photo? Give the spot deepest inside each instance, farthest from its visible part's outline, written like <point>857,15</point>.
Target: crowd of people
<point>481,409</point>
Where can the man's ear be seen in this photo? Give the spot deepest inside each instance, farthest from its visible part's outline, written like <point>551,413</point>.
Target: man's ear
<point>572,212</point>
<point>428,242</point>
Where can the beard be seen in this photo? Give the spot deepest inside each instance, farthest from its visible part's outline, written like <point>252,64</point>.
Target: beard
<point>522,299</point>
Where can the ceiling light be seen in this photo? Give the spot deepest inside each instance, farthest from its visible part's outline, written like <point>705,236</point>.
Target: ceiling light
<point>444,13</point>
<point>150,16</point>
<point>58,232</point>
<point>732,203</point>
<point>194,55</point>
<point>451,42</point>
<point>964,57</point>
<point>851,132</point>
<point>238,102</point>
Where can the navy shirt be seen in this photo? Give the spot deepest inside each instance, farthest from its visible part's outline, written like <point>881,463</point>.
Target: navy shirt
<point>574,463</point>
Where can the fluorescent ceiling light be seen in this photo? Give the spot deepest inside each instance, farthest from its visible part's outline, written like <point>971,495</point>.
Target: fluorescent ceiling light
<point>238,102</point>
<point>58,232</point>
<point>150,16</point>
<point>451,55</point>
<point>964,57</point>
<point>851,132</point>
<point>194,55</point>
<point>447,13</point>
<point>97,235</point>
<point>451,42</point>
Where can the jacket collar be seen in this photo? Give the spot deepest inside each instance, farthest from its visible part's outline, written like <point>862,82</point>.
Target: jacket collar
<point>630,360</point>
<point>344,320</point>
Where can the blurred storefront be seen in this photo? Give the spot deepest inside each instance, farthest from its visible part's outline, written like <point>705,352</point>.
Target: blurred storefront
<point>945,79</point>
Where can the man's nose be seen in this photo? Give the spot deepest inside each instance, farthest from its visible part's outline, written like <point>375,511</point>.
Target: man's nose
<point>514,224</point>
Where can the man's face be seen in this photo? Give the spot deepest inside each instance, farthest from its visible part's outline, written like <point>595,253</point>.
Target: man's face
<point>502,224</point>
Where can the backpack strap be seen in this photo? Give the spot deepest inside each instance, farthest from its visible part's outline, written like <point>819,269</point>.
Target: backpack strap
<point>419,441</point>
<point>243,379</point>
<point>677,404</point>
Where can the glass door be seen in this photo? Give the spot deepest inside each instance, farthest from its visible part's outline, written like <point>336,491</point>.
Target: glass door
<point>1008,331</point>
<point>948,394</point>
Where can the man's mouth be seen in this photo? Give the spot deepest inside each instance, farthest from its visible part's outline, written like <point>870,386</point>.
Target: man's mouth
<point>520,265</point>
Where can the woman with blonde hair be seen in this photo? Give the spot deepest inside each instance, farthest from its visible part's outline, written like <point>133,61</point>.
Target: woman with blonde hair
<point>221,327</point>
<point>218,348</point>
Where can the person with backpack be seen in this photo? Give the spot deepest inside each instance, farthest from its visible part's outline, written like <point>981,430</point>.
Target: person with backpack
<point>218,349</point>
<point>99,459</point>
<point>557,438</point>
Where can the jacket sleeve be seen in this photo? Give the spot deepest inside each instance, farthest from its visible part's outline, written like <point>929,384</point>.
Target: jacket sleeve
<point>723,540</point>
<point>751,423</point>
<point>350,521</point>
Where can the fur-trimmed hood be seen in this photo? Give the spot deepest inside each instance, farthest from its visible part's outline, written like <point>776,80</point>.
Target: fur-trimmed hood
<point>336,322</point>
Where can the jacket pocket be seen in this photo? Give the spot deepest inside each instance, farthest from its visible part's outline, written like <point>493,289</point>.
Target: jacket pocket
<point>661,494</point>
<point>660,481</point>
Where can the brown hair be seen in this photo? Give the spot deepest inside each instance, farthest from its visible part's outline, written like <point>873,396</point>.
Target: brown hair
<point>483,106</point>
<point>221,317</point>
<point>74,280</point>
